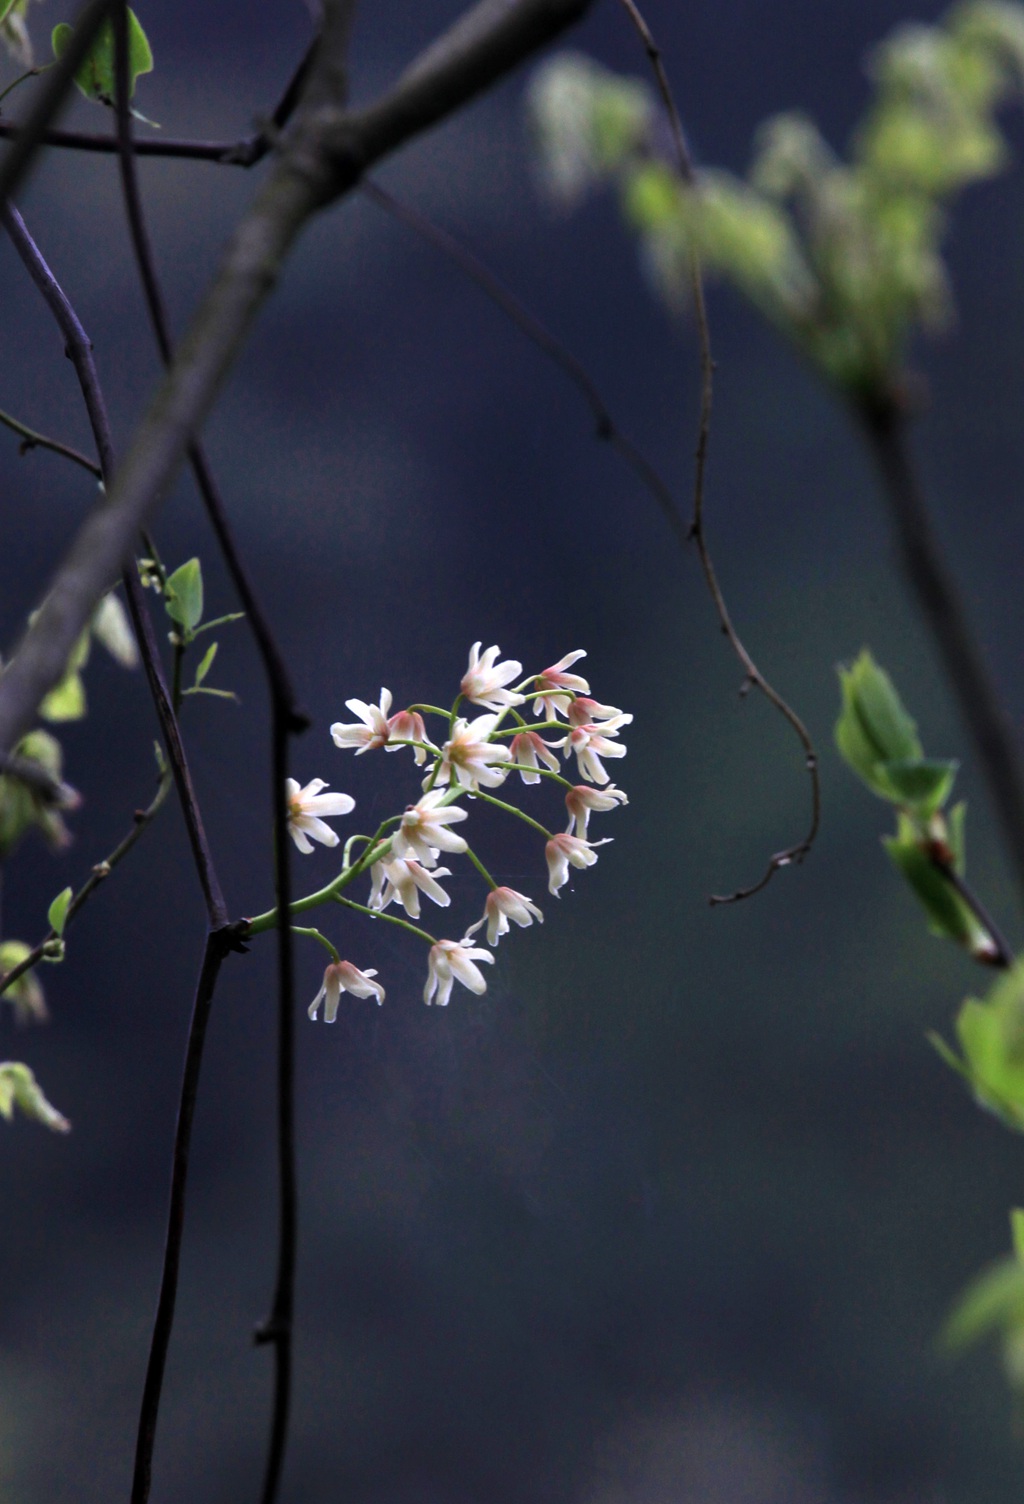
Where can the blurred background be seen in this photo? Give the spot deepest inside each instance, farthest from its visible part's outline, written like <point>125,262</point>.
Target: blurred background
<point>672,1215</point>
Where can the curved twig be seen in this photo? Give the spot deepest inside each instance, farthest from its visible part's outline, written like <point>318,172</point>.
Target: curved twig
<point>754,678</point>
<point>30,439</point>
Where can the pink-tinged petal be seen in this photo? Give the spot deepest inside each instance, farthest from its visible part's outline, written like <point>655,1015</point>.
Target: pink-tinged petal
<point>339,977</point>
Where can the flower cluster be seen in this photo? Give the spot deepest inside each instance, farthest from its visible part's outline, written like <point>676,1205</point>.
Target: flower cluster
<point>468,758</point>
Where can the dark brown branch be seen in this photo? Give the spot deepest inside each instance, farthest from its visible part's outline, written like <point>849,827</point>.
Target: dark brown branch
<point>754,678</point>
<point>529,324</point>
<point>285,718</point>
<point>218,944</point>
<point>59,80</point>
<point>100,872</point>
<point>78,347</point>
<point>945,615</point>
<point>1003,958</point>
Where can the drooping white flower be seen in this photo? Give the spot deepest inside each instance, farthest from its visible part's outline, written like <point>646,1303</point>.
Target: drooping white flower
<point>370,731</point>
<point>525,749</point>
<point>591,742</point>
<point>407,726</point>
<point>307,809</point>
<point>339,977</point>
<point>423,830</point>
<point>484,680</point>
<point>582,799</point>
<point>563,851</point>
<point>450,961</point>
<point>502,905</point>
<point>584,709</point>
<point>469,759</point>
<point>401,880</point>
<point>555,688</point>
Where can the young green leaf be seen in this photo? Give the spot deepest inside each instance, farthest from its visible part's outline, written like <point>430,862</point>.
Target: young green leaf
<point>185,595</point>
<point>58,911</point>
<point>921,784</point>
<point>19,1088</point>
<point>948,915</point>
<point>205,664</point>
<point>95,77</point>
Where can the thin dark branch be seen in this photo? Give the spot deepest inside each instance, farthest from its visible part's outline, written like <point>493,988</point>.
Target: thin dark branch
<point>247,151</point>
<point>218,944</point>
<point>30,439</point>
<point>945,614</point>
<point>529,324</point>
<point>1003,958</point>
<point>100,872</point>
<point>78,347</point>
<point>754,677</point>
<point>285,718</point>
<point>58,81</point>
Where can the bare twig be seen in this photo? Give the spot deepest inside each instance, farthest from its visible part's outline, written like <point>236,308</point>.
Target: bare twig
<point>285,718</point>
<point>100,872</point>
<point>942,606</point>
<point>79,350</point>
<point>30,439</point>
<point>527,321</point>
<point>754,678</point>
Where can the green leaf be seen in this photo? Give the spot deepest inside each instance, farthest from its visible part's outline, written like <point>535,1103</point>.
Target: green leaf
<point>185,595</point>
<point>58,911</point>
<point>5,7</point>
<point>993,1300</point>
<point>111,627</point>
<point>948,916</point>
<point>19,1088</point>
<point>66,700</point>
<point>1017,1232</point>
<point>25,995</point>
<point>923,784</point>
<point>95,77</point>
<point>991,1036</point>
<point>205,664</point>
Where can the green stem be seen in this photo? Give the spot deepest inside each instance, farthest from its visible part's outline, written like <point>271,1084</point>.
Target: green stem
<point>538,726</point>
<point>376,849</point>
<point>432,710</point>
<point>512,810</point>
<point>32,73</point>
<point>363,908</point>
<point>297,929</point>
<point>516,767</point>
<point>478,864</point>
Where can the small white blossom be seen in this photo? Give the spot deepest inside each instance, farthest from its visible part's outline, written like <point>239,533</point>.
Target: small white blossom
<point>483,682</point>
<point>370,731</point>
<point>591,742</point>
<point>342,976</point>
<point>563,851</point>
<point>555,688</point>
<point>469,759</point>
<point>401,880</point>
<point>423,830</point>
<point>525,749</point>
<point>583,710</point>
<point>451,961</point>
<point>306,811</point>
<point>502,905</point>
<point>407,726</point>
<point>582,799</point>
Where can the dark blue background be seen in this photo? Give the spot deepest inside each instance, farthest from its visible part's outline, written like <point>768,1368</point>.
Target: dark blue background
<point>675,1211</point>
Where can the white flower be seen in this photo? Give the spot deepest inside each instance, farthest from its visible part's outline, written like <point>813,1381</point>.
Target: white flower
<point>451,960</point>
<point>525,749</point>
<point>407,726</point>
<point>591,742</point>
<point>469,759</point>
<point>423,830</point>
<point>502,905</point>
<point>555,688</point>
<point>372,729</point>
<point>579,801</point>
<point>582,710</point>
<point>484,680</point>
<point>565,850</point>
<point>401,881</point>
<point>342,976</point>
<point>307,808</point>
